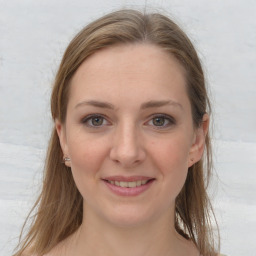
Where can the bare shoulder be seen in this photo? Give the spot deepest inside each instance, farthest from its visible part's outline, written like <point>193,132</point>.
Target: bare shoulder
<point>189,247</point>
<point>56,251</point>
<point>53,252</point>
<point>61,249</point>
<point>219,254</point>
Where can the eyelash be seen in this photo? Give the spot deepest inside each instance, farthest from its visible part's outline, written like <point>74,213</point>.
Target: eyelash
<point>171,121</point>
<point>88,118</point>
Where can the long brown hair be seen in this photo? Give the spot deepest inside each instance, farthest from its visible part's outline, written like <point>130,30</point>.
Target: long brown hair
<point>58,210</point>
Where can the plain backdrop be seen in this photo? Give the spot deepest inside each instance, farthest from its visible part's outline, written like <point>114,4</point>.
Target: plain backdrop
<point>33,36</point>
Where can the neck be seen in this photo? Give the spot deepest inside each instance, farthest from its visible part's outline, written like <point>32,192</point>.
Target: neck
<point>98,237</point>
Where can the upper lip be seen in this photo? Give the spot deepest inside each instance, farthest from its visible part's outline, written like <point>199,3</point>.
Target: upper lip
<point>127,179</point>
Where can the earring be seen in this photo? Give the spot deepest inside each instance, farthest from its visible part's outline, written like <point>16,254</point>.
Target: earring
<point>66,159</point>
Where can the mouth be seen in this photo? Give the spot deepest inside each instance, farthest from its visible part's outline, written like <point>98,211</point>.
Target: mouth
<point>129,184</point>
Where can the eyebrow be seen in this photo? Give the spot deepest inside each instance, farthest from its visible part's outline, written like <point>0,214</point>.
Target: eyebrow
<point>149,104</point>
<point>95,103</point>
<point>161,103</point>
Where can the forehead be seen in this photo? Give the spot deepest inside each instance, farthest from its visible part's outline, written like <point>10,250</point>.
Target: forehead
<point>142,71</point>
<point>127,55</point>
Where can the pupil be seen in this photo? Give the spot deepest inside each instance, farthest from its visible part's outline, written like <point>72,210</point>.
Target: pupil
<point>97,121</point>
<point>158,121</point>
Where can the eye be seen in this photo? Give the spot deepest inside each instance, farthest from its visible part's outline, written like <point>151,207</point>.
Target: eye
<point>95,121</point>
<point>161,121</point>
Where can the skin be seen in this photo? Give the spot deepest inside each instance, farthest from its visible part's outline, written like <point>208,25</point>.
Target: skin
<point>129,136</point>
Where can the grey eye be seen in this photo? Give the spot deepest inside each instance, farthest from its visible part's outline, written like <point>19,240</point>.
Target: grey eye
<point>97,121</point>
<point>159,121</point>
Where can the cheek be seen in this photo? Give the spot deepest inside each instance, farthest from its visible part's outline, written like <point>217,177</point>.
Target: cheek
<point>87,154</point>
<point>171,160</point>
<point>87,157</point>
<point>173,166</point>
<point>172,153</point>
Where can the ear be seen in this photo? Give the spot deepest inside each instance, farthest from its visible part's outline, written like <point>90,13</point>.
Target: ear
<point>60,128</point>
<point>197,148</point>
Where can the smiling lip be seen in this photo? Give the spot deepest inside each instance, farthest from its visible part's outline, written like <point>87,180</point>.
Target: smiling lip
<point>127,179</point>
<point>114,184</point>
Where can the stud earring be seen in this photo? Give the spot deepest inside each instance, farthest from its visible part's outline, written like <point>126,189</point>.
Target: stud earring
<point>66,159</point>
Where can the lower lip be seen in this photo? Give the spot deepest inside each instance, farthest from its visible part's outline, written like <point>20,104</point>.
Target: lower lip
<point>128,191</point>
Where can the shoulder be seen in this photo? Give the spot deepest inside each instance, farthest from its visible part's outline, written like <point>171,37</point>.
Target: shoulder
<point>58,250</point>
<point>219,254</point>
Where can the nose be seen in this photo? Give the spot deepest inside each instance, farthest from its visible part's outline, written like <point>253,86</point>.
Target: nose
<point>127,146</point>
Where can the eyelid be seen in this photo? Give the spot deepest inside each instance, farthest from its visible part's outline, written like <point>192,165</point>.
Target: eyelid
<point>85,120</point>
<point>171,120</point>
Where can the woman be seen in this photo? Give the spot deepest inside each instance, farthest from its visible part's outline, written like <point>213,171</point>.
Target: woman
<point>125,172</point>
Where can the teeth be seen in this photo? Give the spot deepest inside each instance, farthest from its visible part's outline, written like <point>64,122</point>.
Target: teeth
<point>138,183</point>
<point>123,184</point>
<point>132,184</point>
<point>128,184</point>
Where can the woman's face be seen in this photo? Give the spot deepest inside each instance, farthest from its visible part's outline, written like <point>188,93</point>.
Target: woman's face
<point>129,133</point>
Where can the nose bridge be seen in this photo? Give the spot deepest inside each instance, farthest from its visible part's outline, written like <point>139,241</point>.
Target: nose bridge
<point>127,147</point>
